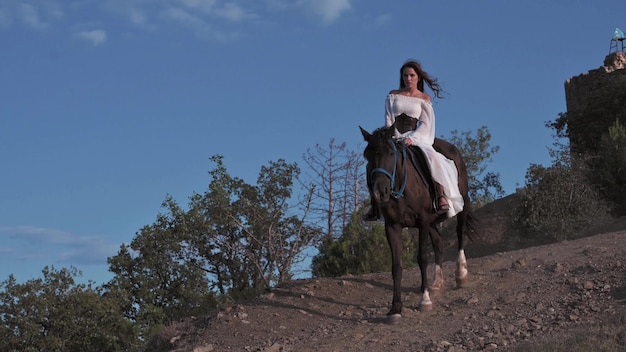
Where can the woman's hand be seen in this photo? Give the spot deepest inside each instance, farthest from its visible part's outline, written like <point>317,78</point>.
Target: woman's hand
<point>408,142</point>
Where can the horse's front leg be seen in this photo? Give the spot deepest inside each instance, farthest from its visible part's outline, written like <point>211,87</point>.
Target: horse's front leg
<point>394,238</point>
<point>425,303</point>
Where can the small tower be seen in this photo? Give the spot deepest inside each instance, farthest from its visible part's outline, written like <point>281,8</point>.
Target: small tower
<point>617,42</point>
<point>601,93</point>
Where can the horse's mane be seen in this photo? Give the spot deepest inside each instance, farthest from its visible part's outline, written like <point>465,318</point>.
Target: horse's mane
<point>382,134</point>
<point>380,130</point>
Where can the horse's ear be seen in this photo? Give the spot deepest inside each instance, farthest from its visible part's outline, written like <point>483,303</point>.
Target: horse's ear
<point>366,135</point>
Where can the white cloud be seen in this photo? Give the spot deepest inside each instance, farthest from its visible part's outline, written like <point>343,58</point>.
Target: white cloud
<point>202,5</point>
<point>231,12</point>
<point>183,17</point>
<point>52,10</point>
<point>328,10</point>
<point>38,234</point>
<point>34,14</point>
<point>201,27</point>
<point>29,15</point>
<point>208,19</point>
<point>96,37</point>
<point>137,17</point>
<point>383,19</point>
<point>60,246</point>
<point>137,13</point>
<point>88,251</point>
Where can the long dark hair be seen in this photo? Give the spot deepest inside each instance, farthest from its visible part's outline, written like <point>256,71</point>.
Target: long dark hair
<point>423,77</point>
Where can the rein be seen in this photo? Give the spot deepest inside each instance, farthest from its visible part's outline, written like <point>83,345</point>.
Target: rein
<point>392,175</point>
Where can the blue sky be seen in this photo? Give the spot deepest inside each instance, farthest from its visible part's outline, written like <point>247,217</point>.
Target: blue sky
<point>108,106</point>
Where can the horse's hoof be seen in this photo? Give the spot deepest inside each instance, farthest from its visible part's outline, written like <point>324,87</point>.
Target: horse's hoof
<point>461,282</point>
<point>394,319</point>
<point>436,288</point>
<point>425,307</point>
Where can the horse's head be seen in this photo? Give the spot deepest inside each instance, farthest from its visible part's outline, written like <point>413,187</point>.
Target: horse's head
<point>382,156</point>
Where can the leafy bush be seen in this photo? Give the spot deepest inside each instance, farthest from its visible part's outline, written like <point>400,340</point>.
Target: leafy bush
<point>608,169</point>
<point>56,314</point>
<point>484,187</point>
<point>360,250</point>
<point>559,202</point>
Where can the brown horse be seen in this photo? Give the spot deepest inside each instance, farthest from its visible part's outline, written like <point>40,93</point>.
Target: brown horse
<point>405,201</point>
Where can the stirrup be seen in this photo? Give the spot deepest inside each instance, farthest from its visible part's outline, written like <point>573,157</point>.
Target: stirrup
<point>439,208</point>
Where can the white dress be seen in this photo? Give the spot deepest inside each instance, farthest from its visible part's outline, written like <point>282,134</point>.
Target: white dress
<point>443,170</point>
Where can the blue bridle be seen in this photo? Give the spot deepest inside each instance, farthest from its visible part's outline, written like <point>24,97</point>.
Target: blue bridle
<point>392,175</point>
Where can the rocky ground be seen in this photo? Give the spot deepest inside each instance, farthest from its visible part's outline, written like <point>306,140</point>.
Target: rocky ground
<point>561,291</point>
<point>572,291</point>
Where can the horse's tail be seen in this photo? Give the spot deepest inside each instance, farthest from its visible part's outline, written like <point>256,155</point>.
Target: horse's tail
<point>471,225</point>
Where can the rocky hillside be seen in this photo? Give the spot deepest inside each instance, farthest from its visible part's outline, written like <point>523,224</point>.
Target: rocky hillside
<point>561,291</point>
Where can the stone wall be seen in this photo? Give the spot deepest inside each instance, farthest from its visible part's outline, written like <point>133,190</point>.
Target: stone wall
<point>607,81</point>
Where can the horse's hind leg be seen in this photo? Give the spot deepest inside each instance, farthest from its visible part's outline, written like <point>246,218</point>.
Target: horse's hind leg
<point>435,238</point>
<point>461,272</point>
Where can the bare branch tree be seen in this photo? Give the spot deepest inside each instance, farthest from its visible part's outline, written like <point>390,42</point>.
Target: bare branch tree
<point>335,175</point>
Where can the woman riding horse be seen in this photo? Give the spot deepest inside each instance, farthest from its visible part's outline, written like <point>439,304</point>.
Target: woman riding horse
<point>410,100</point>
<point>404,199</point>
<point>396,187</point>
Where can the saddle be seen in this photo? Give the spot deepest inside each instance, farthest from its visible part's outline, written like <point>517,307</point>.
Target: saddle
<point>405,123</point>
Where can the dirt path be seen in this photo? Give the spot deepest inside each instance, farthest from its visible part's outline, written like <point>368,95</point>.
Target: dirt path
<point>512,297</point>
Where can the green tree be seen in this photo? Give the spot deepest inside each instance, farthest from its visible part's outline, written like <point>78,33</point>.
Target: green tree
<point>234,241</point>
<point>256,239</point>
<point>361,249</point>
<point>484,186</point>
<point>608,168</point>
<point>54,313</point>
<point>596,131</point>
<point>559,202</point>
<point>159,275</point>
<point>584,128</point>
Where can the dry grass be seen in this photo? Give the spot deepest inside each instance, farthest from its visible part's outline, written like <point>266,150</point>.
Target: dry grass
<point>167,336</point>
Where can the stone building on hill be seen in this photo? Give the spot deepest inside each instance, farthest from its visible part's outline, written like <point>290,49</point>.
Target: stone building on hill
<point>595,99</point>
<point>582,90</point>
